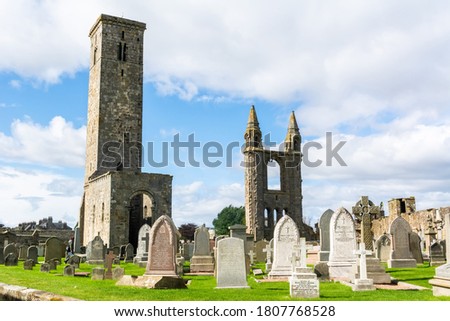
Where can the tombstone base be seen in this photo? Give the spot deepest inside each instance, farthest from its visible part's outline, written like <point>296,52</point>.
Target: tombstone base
<point>402,263</point>
<point>202,264</point>
<point>344,271</point>
<point>363,285</point>
<point>303,284</point>
<point>153,282</point>
<point>441,281</point>
<point>95,262</point>
<point>140,259</point>
<point>436,261</point>
<point>376,271</point>
<point>280,272</point>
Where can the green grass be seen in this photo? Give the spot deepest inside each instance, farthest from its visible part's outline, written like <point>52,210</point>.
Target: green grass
<point>202,288</point>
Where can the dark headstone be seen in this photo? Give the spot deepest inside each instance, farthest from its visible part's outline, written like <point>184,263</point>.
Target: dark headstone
<point>45,267</point>
<point>324,230</point>
<point>10,248</point>
<point>23,252</point>
<point>28,265</point>
<point>11,259</point>
<point>416,250</point>
<point>2,258</point>
<point>32,254</point>
<point>109,259</point>
<point>74,260</point>
<point>54,248</point>
<point>69,270</point>
<point>129,253</point>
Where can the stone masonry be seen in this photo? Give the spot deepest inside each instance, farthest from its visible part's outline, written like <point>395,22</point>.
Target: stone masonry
<point>118,199</point>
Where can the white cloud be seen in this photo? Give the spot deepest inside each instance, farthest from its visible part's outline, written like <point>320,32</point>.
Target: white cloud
<point>57,144</point>
<point>30,196</point>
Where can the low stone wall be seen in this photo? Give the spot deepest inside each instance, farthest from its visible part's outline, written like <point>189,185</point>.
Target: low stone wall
<point>21,293</point>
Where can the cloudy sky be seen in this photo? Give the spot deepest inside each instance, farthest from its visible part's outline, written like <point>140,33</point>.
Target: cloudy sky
<point>375,74</point>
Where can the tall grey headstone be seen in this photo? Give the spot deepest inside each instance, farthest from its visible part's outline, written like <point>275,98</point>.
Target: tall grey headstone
<point>95,251</point>
<point>286,236</point>
<point>32,253</point>
<point>416,250</point>
<point>342,260</point>
<point>129,253</point>
<point>143,241</point>
<point>401,255</point>
<point>383,248</point>
<point>10,248</point>
<point>260,250</point>
<point>188,250</point>
<point>54,249</point>
<point>202,261</point>
<point>437,251</point>
<point>76,239</point>
<point>324,230</point>
<point>23,252</point>
<point>231,270</point>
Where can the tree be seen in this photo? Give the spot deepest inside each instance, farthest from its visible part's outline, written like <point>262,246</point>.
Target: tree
<point>229,216</point>
<point>187,231</point>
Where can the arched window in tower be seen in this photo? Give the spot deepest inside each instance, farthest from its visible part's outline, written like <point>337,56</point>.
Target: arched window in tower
<point>273,175</point>
<point>94,56</point>
<point>266,217</point>
<point>296,143</point>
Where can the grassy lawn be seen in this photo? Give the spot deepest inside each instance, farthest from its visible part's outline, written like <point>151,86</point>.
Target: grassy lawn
<point>202,288</point>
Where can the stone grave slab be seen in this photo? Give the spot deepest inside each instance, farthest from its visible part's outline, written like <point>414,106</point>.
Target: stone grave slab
<point>231,269</point>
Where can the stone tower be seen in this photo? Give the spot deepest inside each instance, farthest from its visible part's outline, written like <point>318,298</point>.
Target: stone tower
<point>264,207</point>
<point>118,198</point>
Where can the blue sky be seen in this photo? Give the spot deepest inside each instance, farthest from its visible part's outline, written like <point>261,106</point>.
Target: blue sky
<point>375,74</point>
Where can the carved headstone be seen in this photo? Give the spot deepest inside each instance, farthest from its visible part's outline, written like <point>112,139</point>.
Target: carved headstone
<point>188,251</point>
<point>342,262</point>
<point>95,251</point>
<point>437,251</point>
<point>324,230</point>
<point>162,248</point>
<point>74,260</point>
<point>303,283</point>
<point>32,254</point>
<point>22,252</point>
<point>76,239</point>
<point>286,236</point>
<point>45,267</point>
<point>401,255</point>
<point>363,283</point>
<point>129,253</point>
<point>365,210</point>
<point>143,241</point>
<point>10,248</point>
<point>269,253</point>
<point>109,259</point>
<point>98,273</point>
<point>231,270</point>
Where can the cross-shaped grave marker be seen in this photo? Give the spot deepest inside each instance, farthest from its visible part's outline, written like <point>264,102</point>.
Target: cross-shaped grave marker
<point>108,264</point>
<point>251,254</point>
<point>362,252</point>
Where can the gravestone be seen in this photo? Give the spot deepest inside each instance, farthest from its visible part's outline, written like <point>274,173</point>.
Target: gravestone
<point>260,252</point>
<point>10,248</point>
<point>109,259</point>
<point>161,270</point>
<point>363,283</point>
<point>129,253</point>
<point>142,248</point>
<point>69,270</point>
<point>269,254</point>
<point>28,265</point>
<point>32,254</point>
<point>231,270</point>
<point>383,248</point>
<point>401,255</point>
<point>365,210</point>
<point>2,258</point>
<point>441,281</point>
<point>74,260</point>
<point>188,250</point>
<point>437,253</point>
<point>202,261</point>
<point>342,260</point>
<point>45,267</point>
<point>76,239</point>
<point>22,252</point>
<point>416,249</point>
<point>52,264</point>
<point>303,282</point>
<point>239,231</point>
<point>118,273</point>
<point>11,259</point>
<point>286,236</point>
<point>95,251</point>
<point>98,273</point>
<point>54,249</point>
<point>324,230</point>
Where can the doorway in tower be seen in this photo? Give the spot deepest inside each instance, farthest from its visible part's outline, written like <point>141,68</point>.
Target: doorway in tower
<point>141,212</point>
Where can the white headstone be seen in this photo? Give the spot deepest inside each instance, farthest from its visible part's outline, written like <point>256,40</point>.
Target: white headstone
<point>231,270</point>
<point>286,235</point>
